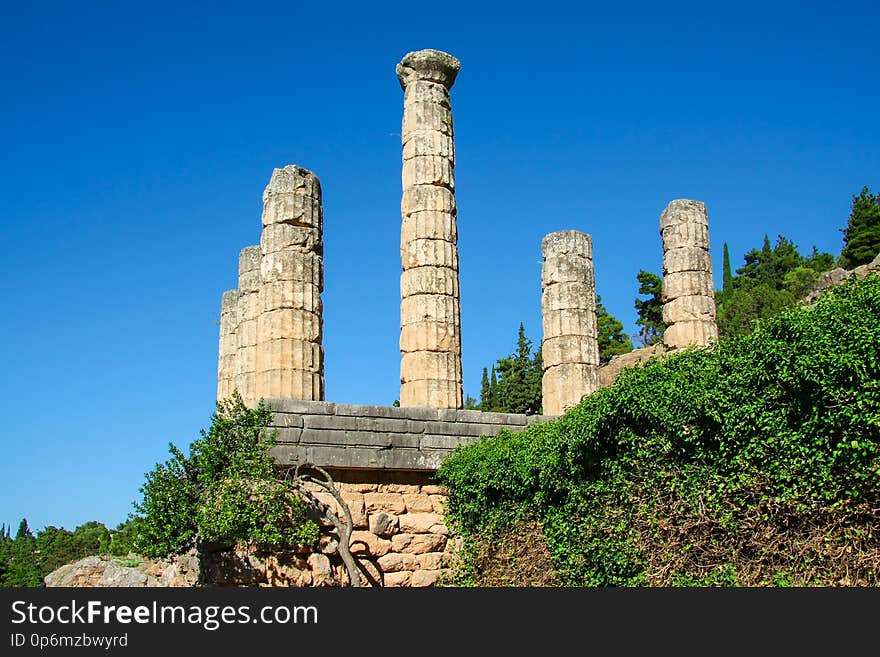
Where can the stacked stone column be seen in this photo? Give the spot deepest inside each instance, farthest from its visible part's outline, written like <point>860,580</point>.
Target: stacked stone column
<point>688,289</point>
<point>249,308</point>
<point>289,360</point>
<point>570,346</point>
<point>227,363</point>
<point>430,315</point>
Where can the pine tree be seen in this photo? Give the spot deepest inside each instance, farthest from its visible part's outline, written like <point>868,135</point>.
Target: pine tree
<point>513,385</point>
<point>861,237</point>
<point>23,570</point>
<point>650,310</point>
<point>612,339</point>
<point>727,276</point>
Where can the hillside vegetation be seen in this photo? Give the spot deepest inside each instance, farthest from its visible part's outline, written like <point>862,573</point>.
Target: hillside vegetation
<point>755,462</point>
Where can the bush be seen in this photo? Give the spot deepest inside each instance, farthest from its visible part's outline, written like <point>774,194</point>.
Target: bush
<point>225,491</point>
<point>756,461</point>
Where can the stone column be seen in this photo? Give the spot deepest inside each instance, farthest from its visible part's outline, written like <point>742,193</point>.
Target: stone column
<point>688,290</point>
<point>227,363</point>
<point>246,332</point>
<point>430,311</point>
<point>290,358</point>
<point>570,346</point>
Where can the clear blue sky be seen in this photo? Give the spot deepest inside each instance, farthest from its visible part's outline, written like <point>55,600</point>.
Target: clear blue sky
<point>136,140</point>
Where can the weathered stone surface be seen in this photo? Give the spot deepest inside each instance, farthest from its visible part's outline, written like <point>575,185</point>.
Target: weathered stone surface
<point>280,237</point>
<point>321,570</point>
<point>431,393</point>
<point>383,524</point>
<point>688,291</point>
<point>431,335</point>
<point>427,307</point>
<point>429,65</point>
<point>363,542</point>
<point>401,578</point>
<point>391,503</point>
<point>395,561</point>
<point>439,280</point>
<point>355,503</point>
<point>609,372</point>
<point>570,348</point>
<point>422,523</point>
<point>430,489</point>
<point>431,366</point>
<point>227,363</point>
<point>418,543</point>
<point>293,196</point>
<point>430,561</point>
<point>423,578</point>
<point>418,503</point>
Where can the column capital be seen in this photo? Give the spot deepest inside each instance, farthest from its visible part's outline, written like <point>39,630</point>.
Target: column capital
<point>432,65</point>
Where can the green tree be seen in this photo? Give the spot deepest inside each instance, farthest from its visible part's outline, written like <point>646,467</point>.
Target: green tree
<point>861,237</point>
<point>224,491</point>
<point>727,276</point>
<point>514,385</point>
<point>23,569</point>
<point>612,339</point>
<point>650,310</point>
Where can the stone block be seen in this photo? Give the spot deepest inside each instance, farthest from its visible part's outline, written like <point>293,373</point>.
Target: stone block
<point>430,561</point>
<point>567,242</point>
<point>430,365</point>
<point>430,308</point>
<point>431,393</point>
<point>683,211</point>
<point>573,321</point>
<point>687,283</point>
<point>689,309</point>
<point>388,425</point>
<point>570,349</point>
<point>291,294</point>
<point>301,406</point>
<point>432,489</point>
<point>426,91</point>
<point>422,143</point>
<point>687,233</point>
<point>425,116</point>
<point>395,562</point>
<point>686,258</point>
<point>562,296</point>
<point>424,578</point>
<point>289,354</point>
<point>298,384</point>
<point>395,579</point>
<point>383,524</point>
<point>438,503</point>
<point>425,252</point>
<point>683,334</point>
<point>418,503</point>
<point>428,170</point>
<point>358,487</point>
<point>333,422</point>
<point>365,543</point>
<point>418,543</point>
<point>357,508</point>
<point>566,269</point>
<point>390,503</point>
<point>422,523</point>
<point>281,237</point>
<point>429,280</point>
<point>289,323</point>
<point>430,335</point>
<point>293,266</point>
<point>565,386</point>
<point>423,198</point>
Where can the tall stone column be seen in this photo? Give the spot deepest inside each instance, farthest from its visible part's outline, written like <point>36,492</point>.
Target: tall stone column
<point>246,332</point>
<point>688,289</point>
<point>570,346</point>
<point>227,363</point>
<point>290,358</point>
<point>430,309</point>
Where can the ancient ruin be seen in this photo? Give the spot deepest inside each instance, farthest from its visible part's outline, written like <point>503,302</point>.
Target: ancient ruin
<point>570,347</point>
<point>688,289</point>
<point>271,325</point>
<point>430,315</point>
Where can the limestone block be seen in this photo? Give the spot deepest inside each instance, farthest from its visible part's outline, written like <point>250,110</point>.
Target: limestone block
<point>683,334</point>
<point>422,198</point>
<point>679,235</point>
<point>383,524</point>
<point>566,269</point>
<point>390,503</point>
<point>687,283</point>
<point>358,487</point>
<point>430,336</point>
<point>430,308</point>
<point>428,170</point>
<point>280,237</point>
<point>322,571</point>
<point>247,359</point>
<point>425,252</point>
<point>292,196</point>
<point>428,280</point>
<point>571,321</point>
<point>394,562</point>
<point>686,258</point>
<point>562,296</point>
<point>430,561</point>
<point>567,243</point>
<point>431,394</point>
<point>288,383</point>
<point>289,323</point>
<point>290,353</point>
<point>429,224</point>
<point>401,578</point>
<point>429,143</point>
<point>428,365</point>
<point>689,309</point>
<point>403,489</point>
<point>423,578</point>
<point>429,64</point>
<point>249,269</point>
<point>293,266</point>
<point>570,349</point>
<point>367,543</point>
<point>565,385</point>
<point>277,295</point>
<point>424,116</point>
<point>431,489</point>
<point>356,506</point>
<point>422,523</point>
<point>418,543</point>
<point>438,502</point>
<point>426,91</point>
<point>683,211</point>
<point>418,503</point>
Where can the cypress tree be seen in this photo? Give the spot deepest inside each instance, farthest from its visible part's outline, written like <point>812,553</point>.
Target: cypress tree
<point>727,276</point>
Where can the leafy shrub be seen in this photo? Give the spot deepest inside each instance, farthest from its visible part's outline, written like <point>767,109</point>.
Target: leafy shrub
<point>756,461</point>
<point>225,491</point>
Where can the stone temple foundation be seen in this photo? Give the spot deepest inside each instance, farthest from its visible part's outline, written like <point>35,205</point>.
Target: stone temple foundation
<point>430,315</point>
<point>570,347</point>
<point>688,289</point>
